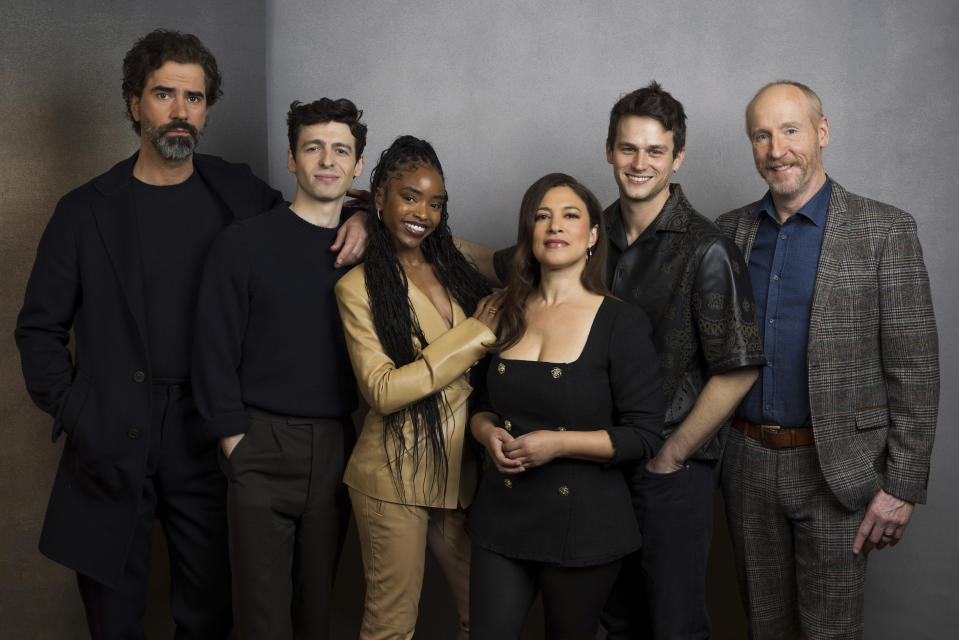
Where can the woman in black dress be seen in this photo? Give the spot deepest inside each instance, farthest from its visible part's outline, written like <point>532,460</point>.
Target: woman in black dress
<point>572,391</point>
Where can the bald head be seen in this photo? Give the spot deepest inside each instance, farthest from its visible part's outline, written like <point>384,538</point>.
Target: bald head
<point>786,89</point>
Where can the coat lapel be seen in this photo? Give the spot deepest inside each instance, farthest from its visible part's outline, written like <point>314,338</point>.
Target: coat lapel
<point>830,259</point>
<point>116,220</point>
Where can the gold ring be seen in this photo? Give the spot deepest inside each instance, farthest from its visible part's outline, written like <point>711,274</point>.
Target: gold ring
<point>492,310</point>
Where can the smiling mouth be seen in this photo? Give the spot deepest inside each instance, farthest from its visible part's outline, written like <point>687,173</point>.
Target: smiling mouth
<point>555,244</point>
<point>638,180</point>
<point>415,228</point>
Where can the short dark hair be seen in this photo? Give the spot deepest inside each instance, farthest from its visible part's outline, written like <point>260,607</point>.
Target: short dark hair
<point>652,101</point>
<point>325,110</point>
<point>158,47</point>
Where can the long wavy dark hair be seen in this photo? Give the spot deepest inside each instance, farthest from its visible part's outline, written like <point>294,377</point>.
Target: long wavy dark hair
<point>524,275</point>
<point>396,323</point>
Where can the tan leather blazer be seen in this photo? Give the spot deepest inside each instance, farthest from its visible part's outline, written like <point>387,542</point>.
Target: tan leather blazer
<point>441,366</point>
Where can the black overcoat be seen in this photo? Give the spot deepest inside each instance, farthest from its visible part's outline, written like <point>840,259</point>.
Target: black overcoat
<point>88,276</point>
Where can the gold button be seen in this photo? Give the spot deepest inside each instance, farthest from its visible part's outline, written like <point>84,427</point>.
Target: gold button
<point>507,425</point>
<point>561,428</point>
<point>507,483</point>
<point>563,491</point>
<point>556,372</point>
<point>501,368</point>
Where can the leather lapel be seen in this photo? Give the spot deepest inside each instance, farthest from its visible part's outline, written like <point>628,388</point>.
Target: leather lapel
<point>830,259</point>
<point>430,319</point>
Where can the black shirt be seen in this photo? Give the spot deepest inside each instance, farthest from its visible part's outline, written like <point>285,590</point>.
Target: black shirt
<point>268,333</point>
<point>176,224</point>
<point>573,512</point>
<point>691,281</point>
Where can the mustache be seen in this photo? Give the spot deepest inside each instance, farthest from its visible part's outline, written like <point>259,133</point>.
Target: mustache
<point>178,124</point>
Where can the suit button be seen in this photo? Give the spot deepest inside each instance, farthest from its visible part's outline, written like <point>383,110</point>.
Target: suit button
<point>507,425</point>
<point>507,483</point>
<point>561,428</point>
<point>556,372</point>
<point>563,491</point>
<point>133,433</point>
<point>139,376</point>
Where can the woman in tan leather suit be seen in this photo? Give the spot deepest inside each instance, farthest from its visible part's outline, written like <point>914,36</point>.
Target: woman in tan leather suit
<point>412,343</point>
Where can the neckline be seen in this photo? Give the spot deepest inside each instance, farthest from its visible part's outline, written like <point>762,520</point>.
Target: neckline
<point>589,338</point>
<point>410,285</point>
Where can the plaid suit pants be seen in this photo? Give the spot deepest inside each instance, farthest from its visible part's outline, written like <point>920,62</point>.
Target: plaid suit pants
<point>793,543</point>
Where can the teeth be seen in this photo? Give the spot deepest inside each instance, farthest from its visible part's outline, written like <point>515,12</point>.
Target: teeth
<point>416,228</point>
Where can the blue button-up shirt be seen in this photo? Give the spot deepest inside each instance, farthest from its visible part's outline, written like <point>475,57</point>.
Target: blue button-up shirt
<point>782,266</point>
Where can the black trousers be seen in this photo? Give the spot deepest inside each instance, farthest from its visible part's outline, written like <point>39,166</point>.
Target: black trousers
<point>661,590</point>
<point>186,492</point>
<point>288,512</point>
<point>503,589</point>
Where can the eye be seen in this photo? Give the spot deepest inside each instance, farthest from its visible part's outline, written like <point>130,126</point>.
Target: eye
<point>655,153</point>
<point>162,95</point>
<point>572,215</point>
<point>195,99</point>
<point>437,205</point>
<point>792,131</point>
<point>761,137</point>
<point>342,152</point>
<point>540,216</point>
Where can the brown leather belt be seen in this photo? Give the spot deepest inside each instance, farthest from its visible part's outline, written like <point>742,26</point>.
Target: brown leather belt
<point>774,436</point>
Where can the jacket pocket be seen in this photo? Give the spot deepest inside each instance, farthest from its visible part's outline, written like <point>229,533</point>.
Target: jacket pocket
<point>72,407</point>
<point>872,417</point>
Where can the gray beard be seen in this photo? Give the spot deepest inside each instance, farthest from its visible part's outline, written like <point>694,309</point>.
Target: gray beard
<point>175,148</point>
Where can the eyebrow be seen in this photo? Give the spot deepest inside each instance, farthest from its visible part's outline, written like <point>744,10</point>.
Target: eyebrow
<point>341,145</point>
<point>165,89</point>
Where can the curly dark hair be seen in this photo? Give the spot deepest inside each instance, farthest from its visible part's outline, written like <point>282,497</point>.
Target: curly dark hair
<point>158,47</point>
<point>524,274</point>
<point>397,325</point>
<point>325,110</point>
<point>652,101</point>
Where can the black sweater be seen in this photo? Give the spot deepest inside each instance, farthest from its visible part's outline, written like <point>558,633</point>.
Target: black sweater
<point>268,333</point>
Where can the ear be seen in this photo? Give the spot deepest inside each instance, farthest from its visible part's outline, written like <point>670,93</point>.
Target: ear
<point>358,169</point>
<point>678,159</point>
<point>823,131</point>
<point>135,107</point>
<point>609,154</point>
<point>593,236</point>
<point>379,198</point>
<point>290,161</point>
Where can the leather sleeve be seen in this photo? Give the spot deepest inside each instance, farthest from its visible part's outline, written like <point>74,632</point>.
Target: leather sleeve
<point>386,387</point>
<point>725,311</point>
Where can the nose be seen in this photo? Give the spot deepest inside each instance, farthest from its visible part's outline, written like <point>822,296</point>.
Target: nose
<point>326,157</point>
<point>776,146</point>
<point>640,161</point>
<point>179,108</point>
<point>555,225</point>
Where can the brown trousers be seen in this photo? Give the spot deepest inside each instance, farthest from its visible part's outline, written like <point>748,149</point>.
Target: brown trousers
<point>393,542</point>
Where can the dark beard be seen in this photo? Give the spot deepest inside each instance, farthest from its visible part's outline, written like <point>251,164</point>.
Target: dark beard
<point>174,148</point>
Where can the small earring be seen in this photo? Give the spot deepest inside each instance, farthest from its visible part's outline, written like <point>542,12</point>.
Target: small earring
<point>589,254</point>
<point>379,214</point>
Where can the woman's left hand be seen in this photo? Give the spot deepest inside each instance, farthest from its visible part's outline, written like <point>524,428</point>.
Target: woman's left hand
<point>534,449</point>
<point>487,308</point>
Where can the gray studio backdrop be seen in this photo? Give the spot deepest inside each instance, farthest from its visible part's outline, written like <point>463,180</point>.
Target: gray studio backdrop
<point>506,91</point>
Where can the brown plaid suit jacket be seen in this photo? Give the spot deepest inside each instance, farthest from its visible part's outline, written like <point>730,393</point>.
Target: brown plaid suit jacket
<point>873,352</point>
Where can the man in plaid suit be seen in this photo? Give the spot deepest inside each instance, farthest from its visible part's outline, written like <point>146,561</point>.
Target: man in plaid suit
<point>830,448</point>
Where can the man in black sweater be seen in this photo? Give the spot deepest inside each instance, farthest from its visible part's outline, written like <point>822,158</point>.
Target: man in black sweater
<point>272,377</point>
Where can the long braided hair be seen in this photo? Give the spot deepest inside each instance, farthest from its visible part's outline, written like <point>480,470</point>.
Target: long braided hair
<point>396,323</point>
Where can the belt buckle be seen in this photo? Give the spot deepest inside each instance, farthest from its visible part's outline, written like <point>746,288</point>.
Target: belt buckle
<point>768,429</point>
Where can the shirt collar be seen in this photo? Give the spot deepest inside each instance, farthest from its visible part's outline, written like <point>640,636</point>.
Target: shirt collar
<point>672,217</point>
<point>814,210</point>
